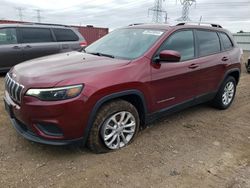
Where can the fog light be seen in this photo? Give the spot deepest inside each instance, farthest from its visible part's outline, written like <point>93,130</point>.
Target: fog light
<point>50,129</point>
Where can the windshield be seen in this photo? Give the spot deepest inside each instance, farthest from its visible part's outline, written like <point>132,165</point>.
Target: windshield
<point>125,43</point>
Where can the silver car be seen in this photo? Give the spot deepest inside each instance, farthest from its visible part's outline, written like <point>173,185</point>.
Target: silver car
<point>21,42</point>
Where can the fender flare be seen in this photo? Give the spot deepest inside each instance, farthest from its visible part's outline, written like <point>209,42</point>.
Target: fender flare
<point>106,98</point>
<point>230,71</point>
<point>226,75</point>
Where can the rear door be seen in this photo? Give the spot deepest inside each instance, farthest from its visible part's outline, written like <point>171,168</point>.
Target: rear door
<point>228,46</point>
<point>67,39</point>
<point>175,82</point>
<point>211,61</point>
<point>10,49</point>
<point>38,42</point>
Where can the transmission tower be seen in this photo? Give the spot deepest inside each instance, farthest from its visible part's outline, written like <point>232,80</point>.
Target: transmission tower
<point>158,11</point>
<point>20,13</point>
<point>38,11</point>
<point>186,4</point>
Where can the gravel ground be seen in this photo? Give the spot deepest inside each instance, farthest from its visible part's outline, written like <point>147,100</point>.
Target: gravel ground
<point>198,147</point>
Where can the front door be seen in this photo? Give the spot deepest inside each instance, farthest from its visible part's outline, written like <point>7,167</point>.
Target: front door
<point>176,82</point>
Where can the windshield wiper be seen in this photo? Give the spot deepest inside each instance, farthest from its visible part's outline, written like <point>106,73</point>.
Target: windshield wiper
<point>101,54</point>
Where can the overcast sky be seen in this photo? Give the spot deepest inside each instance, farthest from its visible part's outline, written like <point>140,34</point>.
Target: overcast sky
<point>231,14</point>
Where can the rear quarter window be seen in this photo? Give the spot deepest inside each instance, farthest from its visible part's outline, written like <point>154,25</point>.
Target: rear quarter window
<point>208,42</point>
<point>226,41</point>
<point>65,35</point>
<point>36,35</point>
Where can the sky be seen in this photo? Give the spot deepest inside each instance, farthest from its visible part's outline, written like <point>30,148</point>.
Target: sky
<point>233,15</point>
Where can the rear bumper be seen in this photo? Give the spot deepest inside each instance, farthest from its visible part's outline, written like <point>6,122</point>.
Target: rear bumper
<point>30,135</point>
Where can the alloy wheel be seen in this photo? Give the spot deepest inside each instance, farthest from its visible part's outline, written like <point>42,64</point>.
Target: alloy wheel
<point>228,94</point>
<point>118,130</point>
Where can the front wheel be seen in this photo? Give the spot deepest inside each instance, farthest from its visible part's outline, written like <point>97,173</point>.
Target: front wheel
<point>115,126</point>
<point>226,94</point>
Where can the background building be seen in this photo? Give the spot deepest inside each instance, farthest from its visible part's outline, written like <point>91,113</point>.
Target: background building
<point>243,40</point>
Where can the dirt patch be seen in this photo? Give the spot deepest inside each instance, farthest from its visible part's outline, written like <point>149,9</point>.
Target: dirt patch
<point>198,147</point>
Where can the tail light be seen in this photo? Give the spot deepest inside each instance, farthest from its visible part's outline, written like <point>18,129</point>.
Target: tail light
<point>83,44</point>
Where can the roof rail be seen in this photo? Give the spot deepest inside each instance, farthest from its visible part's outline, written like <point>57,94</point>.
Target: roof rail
<point>200,23</point>
<point>48,24</point>
<point>136,24</point>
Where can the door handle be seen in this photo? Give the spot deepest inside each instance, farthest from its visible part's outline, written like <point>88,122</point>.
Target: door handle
<point>65,46</point>
<point>16,47</point>
<point>28,46</point>
<point>225,59</point>
<point>193,66</point>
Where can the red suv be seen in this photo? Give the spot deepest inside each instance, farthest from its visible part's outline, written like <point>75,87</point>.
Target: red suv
<point>122,82</point>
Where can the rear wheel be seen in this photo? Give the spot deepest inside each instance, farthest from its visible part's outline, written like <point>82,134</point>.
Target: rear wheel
<point>115,126</point>
<point>226,93</point>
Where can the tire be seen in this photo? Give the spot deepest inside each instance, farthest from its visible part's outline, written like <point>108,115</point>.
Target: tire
<point>226,94</point>
<point>104,126</point>
<point>248,66</point>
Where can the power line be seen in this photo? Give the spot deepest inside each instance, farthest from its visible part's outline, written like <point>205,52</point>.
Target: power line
<point>225,3</point>
<point>38,11</point>
<point>20,13</point>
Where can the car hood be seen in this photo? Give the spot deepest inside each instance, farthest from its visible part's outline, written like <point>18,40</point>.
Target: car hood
<point>50,70</point>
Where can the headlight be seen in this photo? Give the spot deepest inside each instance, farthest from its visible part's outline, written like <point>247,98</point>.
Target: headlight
<point>55,94</point>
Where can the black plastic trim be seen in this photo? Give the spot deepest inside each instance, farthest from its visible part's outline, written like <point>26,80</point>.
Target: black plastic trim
<point>150,118</point>
<point>32,137</point>
<point>44,129</point>
<point>229,72</point>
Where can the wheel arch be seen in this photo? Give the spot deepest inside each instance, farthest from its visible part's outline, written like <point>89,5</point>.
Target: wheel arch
<point>234,73</point>
<point>135,97</point>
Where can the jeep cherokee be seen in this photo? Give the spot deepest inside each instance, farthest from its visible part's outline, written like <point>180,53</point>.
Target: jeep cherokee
<point>104,95</point>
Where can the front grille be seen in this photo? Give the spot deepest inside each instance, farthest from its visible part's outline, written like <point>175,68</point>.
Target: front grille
<point>14,89</point>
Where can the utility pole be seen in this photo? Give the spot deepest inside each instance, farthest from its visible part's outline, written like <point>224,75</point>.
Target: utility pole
<point>166,18</point>
<point>38,11</point>
<point>20,13</point>
<point>158,11</point>
<point>186,4</point>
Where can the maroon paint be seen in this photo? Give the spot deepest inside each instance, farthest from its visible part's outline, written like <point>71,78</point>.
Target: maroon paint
<point>162,84</point>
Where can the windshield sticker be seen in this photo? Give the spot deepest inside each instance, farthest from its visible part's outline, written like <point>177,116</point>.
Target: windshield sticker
<point>151,32</point>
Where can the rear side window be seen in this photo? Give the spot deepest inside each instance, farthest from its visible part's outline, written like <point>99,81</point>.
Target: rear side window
<point>65,35</point>
<point>36,35</point>
<point>208,42</point>
<point>227,43</point>
<point>8,36</point>
<point>182,42</point>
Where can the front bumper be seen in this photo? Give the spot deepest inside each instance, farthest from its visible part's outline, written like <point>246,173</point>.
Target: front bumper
<point>30,135</point>
<point>67,115</point>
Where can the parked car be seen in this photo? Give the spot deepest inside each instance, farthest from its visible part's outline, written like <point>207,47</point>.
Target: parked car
<point>20,42</point>
<point>121,83</point>
<point>248,65</point>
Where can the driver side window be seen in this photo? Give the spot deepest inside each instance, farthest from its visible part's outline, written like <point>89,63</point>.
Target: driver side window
<point>182,42</point>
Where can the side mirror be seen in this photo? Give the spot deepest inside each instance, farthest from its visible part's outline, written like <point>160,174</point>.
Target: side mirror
<point>169,56</point>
